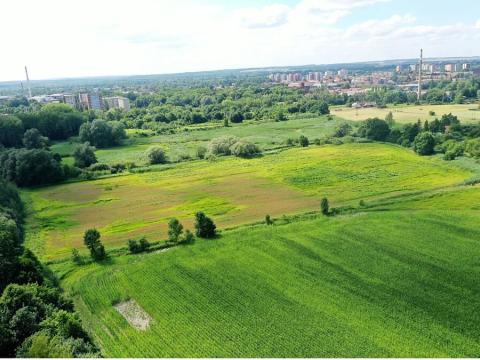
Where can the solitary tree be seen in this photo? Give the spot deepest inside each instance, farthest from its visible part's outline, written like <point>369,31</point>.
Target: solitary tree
<point>204,226</point>
<point>93,243</point>
<point>175,229</point>
<point>324,206</point>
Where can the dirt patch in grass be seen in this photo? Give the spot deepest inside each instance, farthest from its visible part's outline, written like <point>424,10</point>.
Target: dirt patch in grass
<point>134,314</point>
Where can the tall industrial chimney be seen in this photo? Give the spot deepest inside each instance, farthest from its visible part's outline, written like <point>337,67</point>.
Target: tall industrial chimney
<point>28,84</point>
<point>419,91</point>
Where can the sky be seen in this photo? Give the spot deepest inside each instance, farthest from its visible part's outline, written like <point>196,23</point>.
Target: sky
<point>65,38</point>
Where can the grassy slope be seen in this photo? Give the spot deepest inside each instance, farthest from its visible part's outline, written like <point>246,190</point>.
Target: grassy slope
<point>405,114</point>
<point>233,191</point>
<point>374,284</point>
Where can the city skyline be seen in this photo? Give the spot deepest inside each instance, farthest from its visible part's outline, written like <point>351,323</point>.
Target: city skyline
<point>154,37</point>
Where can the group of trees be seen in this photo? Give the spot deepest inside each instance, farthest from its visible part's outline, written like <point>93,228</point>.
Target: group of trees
<point>36,320</point>
<point>445,135</point>
<point>231,145</point>
<point>101,133</point>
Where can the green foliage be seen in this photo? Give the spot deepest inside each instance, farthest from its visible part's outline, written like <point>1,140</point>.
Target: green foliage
<point>324,206</point>
<point>389,119</point>
<point>342,129</point>
<point>424,143</point>
<point>11,131</point>
<point>188,238</point>
<point>245,149</point>
<point>268,220</point>
<point>33,139</point>
<point>374,129</point>
<point>155,155</point>
<point>221,145</point>
<point>92,241</point>
<point>136,247</point>
<point>204,226</point>
<point>30,167</point>
<point>55,121</point>
<point>175,230</point>
<point>101,133</point>
<point>236,117</point>
<point>303,141</point>
<point>84,155</point>
<point>77,259</point>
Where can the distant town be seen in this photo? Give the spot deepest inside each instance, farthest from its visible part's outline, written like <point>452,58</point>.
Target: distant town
<point>353,82</point>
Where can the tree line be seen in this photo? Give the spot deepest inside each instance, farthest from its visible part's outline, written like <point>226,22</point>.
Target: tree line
<point>36,319</point>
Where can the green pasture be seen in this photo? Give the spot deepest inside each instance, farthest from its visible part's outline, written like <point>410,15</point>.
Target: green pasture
<point>405,114</point>
<point>370,284</point>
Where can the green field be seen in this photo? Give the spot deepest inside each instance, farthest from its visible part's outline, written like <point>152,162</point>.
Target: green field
<point>370,284</point>
<point>233,191</point>
<point>267,135</point>
<point>405,114</point>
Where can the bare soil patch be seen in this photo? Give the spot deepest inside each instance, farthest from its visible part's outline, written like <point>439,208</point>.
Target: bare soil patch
<point>134,314</point>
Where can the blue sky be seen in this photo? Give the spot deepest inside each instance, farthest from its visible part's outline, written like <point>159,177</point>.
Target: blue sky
<point>119,37</point>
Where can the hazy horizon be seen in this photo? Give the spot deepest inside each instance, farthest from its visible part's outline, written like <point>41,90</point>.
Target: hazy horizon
<point>116,38</point>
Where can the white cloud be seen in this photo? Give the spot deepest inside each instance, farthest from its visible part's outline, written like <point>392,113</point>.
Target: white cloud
<point>267,16</point>
<point>161,36</point>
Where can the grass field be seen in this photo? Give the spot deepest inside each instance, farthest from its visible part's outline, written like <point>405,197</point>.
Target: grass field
<point>233,191</point>
<point>404,114</point>
<point>267,135</point>
<point>371,284</point>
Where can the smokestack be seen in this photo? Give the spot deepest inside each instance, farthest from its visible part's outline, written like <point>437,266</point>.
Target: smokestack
<point>28,84</point>
<point>419,91</point>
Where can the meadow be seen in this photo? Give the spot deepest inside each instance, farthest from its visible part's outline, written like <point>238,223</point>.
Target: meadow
<point>233,191</point>
<point>184,143</point>
<point>389,283</point>
<point>405,114</point>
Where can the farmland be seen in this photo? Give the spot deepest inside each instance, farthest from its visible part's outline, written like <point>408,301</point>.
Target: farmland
<point>404,114</point>
<point>234,191</point>
<point>369,284</point>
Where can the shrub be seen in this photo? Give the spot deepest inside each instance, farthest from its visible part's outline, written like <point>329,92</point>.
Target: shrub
<point>424,143</point>
<point>99,167</point>
<point>342,130</point>
<point>268,220</point>
<point>76,257</point>
<point>303,141</point>
<point>84,155</point>
<point>117,168</point>
<point>201,151</point>
<point>236,117</point>
<point>374,129</point>
<point>324,206</point>
<point>204,226</point>
<point>188,238</point>
<point>245,149</point>
<point>221,145</point>
<point>155,155</point>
